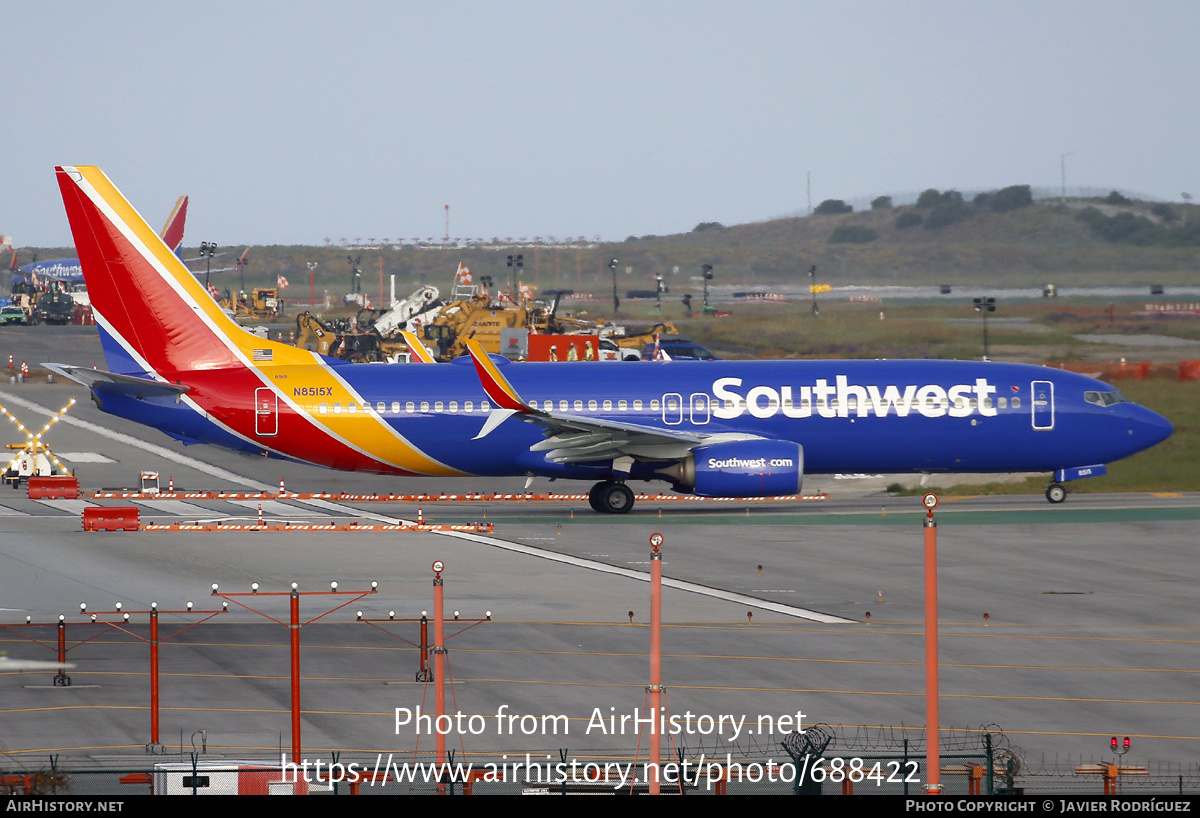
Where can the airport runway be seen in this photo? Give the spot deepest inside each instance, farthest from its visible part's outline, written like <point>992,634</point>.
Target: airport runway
<point>1090,629</point>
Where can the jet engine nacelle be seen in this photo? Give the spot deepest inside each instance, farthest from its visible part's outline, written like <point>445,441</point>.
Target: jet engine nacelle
<point>744,468</point>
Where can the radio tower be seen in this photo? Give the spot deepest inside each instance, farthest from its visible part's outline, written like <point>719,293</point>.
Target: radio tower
<point>446,240</point>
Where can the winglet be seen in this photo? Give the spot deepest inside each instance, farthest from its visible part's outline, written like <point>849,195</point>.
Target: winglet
<point>416,348</point>
<point>495,384</point>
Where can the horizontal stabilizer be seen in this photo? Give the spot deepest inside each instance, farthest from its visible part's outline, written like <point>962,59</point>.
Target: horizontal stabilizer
<point>117,384</point>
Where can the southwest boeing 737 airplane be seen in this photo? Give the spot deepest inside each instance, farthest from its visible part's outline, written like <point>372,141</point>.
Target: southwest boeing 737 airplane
<point>716,429</point>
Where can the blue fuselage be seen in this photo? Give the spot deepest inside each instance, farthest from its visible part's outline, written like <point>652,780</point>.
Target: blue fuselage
<point>848,416</point>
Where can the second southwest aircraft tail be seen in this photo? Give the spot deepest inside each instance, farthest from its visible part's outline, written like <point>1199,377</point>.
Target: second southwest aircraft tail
<point>154,317</point>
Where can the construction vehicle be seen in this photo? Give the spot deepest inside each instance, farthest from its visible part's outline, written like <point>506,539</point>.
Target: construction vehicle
<point>261,304</point>
<point>24,295</point>
<point>312,334</point>
<point>401,314</point>
<point>344,339</point>
<point>488,319</point>
<point>53,306</point>
<point>631,346</point>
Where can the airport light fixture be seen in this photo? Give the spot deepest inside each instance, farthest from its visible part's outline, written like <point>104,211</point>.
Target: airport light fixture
<point>1063,160</point>
<point>120,622</point>
<point>437,648</point>
<point>984,306</point>
<point>516,263</point>
<point>208,249</point>
<point>294,625</point>
<point>612,265</point>
<point>658,291</point>
<point>706,269</point>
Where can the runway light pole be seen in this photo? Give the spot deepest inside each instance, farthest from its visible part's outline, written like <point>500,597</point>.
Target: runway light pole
<point>1063,160</point>
<point>208,249</point>
<point>656,688</point>
<point>612,265</point>
<point>984,306</point>
<point>933,761</point>
<point>294,625</point>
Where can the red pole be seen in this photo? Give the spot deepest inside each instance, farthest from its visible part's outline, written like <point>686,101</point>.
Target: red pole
<point>154,673</point>
<point>61,677</point>
<point>655,661</point>
<point>439,666</point>
<point>425,648</point>
<point>295,628</point>
<point>933,784</point>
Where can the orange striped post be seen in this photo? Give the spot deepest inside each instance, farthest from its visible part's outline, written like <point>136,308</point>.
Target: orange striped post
<point>656,541</point>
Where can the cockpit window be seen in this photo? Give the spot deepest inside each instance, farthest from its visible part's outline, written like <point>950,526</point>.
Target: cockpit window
<point>1105,398</point>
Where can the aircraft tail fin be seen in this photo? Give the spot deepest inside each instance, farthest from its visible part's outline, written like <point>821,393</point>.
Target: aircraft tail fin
<point>172,232</point>
<point>154,316</point>
<point>418,350</point>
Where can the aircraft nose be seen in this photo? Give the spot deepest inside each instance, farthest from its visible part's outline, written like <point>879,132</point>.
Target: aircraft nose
<point>1148,427</point>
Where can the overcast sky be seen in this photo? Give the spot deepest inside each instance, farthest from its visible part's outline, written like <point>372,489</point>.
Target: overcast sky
<point>290,122</point>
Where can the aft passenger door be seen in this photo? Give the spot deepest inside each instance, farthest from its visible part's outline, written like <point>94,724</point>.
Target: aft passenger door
<point>1043,405</point>
<point>266,412</point>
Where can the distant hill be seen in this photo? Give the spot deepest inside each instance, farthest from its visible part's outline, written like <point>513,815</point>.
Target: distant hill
<point>1033,244</point>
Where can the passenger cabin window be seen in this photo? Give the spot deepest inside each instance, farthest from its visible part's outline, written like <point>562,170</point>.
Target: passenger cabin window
<point>395,407</point>
<point>622,405</point>
<point>323,408</point>
<point>637,406</point>
<point>410,407</point>
<point>469,406</point>
<point>1016,403</point>
<point>608,406</point>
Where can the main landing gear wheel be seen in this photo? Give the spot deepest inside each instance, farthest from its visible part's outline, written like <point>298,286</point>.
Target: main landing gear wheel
<point>1056,493</point>
<point>610,498</point>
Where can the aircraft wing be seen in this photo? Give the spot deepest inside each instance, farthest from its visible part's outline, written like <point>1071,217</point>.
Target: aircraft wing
<point>576,439</point>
